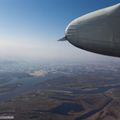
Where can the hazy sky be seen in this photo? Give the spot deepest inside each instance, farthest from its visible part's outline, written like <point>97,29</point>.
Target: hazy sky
<point>29,29</point>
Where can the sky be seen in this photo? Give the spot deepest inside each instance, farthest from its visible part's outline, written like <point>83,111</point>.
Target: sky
<point>29,29</point>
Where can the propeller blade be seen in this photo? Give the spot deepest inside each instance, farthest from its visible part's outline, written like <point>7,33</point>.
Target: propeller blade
<point>62,39</point>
